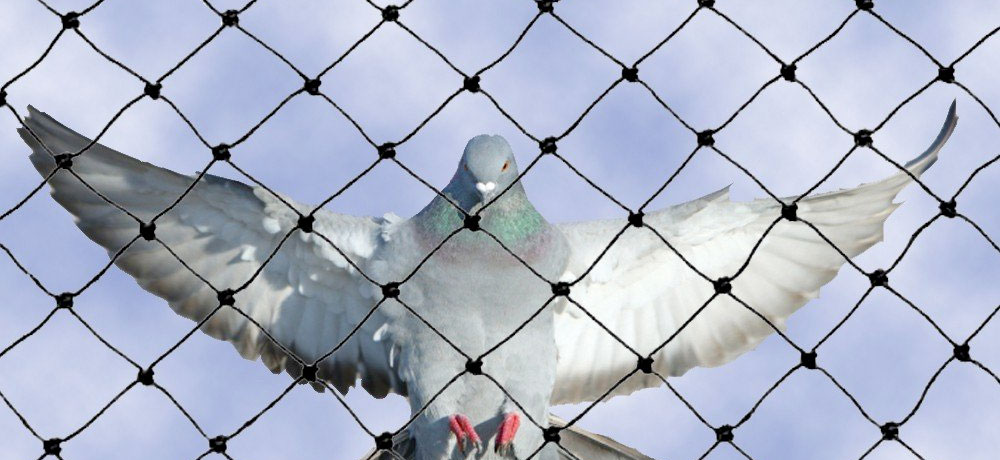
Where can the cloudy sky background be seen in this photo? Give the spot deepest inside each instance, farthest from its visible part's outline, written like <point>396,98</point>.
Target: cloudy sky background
<point>628,144</point>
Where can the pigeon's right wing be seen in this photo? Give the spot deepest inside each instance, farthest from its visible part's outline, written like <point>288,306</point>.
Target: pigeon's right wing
<point>306,296</point>
<point>655,303</point>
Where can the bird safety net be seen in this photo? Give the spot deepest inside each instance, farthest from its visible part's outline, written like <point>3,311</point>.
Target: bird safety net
<point>470,81</point>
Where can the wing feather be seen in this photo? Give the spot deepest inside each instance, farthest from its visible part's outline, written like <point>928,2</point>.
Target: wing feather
<point>645,293</point>
<point>307,297</point>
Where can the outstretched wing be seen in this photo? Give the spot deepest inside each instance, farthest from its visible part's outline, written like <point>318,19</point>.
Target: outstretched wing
<point>645,293</point>
<point>307,297</point>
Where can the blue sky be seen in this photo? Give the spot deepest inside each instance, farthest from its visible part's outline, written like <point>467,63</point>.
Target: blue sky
<point>627,144</point>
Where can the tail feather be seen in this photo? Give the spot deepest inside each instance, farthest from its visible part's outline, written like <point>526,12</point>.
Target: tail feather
<point>920,164</point>
<point>576,443</point>
<point>580,444</point>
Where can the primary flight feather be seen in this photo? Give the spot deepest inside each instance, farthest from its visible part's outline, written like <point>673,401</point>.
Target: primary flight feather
<point>387,300</point>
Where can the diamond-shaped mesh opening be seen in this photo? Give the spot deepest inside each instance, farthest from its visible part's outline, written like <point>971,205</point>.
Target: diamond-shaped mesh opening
<point>374,86</point>
<point>549,49</point>
<point>550,69</point>
<point>680,431</point>
<point>619,145</point>
<point>57,396</point>
<point>878,56</point>
<point>962,398</point>
<point>219,396</point>
<point>696,75</point>
<point>924,276</point>
<point>484,34</point>
<point>232,72</point>
<point>903,352</point>
<point>784,138</point>
<point>129,428</point>
<point>787,27</point>
<point>324,32</point>
<point>808,398</point>
<point>150,45</point>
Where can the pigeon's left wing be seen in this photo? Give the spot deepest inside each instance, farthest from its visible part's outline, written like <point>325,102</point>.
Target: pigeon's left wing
<point>306,296</point>
<point>652,300</point>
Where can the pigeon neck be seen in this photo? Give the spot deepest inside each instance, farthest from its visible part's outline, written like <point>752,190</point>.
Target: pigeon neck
<point>511,218</point>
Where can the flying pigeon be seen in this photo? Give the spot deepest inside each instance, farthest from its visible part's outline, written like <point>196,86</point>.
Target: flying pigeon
<point>477,309</point>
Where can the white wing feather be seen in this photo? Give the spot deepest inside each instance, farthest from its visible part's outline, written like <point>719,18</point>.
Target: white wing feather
<point>307,297</point>
<point>644,292</point>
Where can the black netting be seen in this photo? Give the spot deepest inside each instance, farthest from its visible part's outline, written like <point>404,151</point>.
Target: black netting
<point>631,73</point>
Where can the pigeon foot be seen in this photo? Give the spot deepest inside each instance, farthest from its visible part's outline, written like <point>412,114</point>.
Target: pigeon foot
<point>505,434</point>
<point>465,434</point>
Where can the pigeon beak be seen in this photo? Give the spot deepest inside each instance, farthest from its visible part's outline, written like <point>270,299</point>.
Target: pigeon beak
<point>486,188</point>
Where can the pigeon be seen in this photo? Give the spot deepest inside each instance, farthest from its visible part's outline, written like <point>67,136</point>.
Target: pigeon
<point>477,310</point>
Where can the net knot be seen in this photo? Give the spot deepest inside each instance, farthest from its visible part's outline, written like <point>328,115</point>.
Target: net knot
<point>878,278</point>
<point>946,74</point>
<point>706,3</point>
<point>217,444</point>
<point>808,359</point>
<point>724,433</point>
<point>630,74</point>
<point>147,231</point>
<point>230,18</point>
<point>64,160</point>
<point>145,376</point>
<point>474,366</point>
<point>387,151</point>
<point>889,431</point>
<point>390,290</point>
<point>70,20</point>
<point>788,71</point>
<point>471,84</point>
<point>864,4</point>
<point>863,138</point>
<point>551,434</point>
<point>548,145</point>
<point>705,138</point>
<point>645,365</point>
<point>635,219</point>
<point>221,152</point>
<point>789,211</point>
<point>390,13</point>
<point>472,222</point>
<point>309,372</point>
<point>311,86</point>
<point>305,223</point>
<point>948,208</point>
<point>560,289</point>
<point>64,300</point>
<point>723,285</point>
<point>383,441</point>
<point>227,297</point>
<point>152,90</point>
<point>3,98</point>
<point>961,353</point>
<point>545,6</point>
<point>52,446</point>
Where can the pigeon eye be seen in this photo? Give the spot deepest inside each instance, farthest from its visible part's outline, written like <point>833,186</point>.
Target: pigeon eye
<point>506,164</point>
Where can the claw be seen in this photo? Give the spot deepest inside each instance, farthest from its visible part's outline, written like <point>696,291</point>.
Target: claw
<point>464,433</point>
<point>504,443</point>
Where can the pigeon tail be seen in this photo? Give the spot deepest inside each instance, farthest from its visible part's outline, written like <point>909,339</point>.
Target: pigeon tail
<point>576,443</point>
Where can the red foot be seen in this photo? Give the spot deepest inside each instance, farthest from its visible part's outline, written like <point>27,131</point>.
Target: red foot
<point>462,428</point>
<point>505,435</point>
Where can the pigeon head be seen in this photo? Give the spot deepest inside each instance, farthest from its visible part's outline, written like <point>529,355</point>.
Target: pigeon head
<point>487,168</point>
